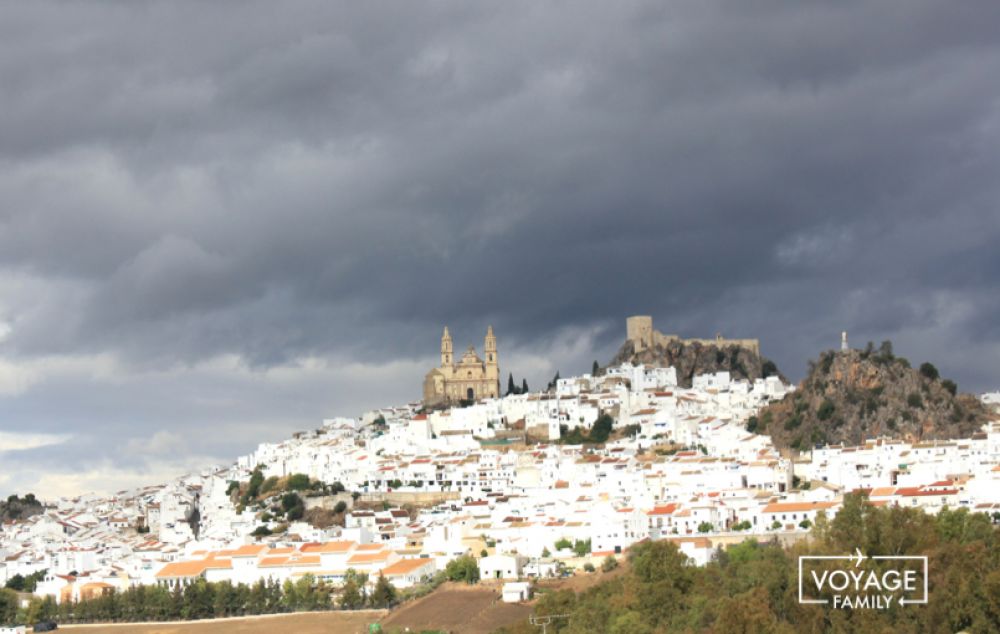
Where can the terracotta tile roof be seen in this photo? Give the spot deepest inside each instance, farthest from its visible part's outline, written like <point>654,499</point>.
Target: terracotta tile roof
<point>368,558</point>
<point>882,491</point>
<point>369,547</point>
<point>404,566</point>
<point>192,568</point>
<point>248,550</point>
<point>328,547</point>
<point>795,507</point>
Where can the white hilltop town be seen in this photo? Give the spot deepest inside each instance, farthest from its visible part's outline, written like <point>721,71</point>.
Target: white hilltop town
<point>493,477</point>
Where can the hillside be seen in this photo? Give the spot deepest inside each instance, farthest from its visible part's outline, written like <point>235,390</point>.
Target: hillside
<point>692,359</point>
<point>849,396</point>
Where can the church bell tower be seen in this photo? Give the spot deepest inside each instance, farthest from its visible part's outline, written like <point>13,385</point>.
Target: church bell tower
<point>446,358</point>
<point>492,364</point>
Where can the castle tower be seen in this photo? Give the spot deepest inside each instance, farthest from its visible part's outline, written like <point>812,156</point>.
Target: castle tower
<point>492,363</point>
<point>639,330</point>
<point>843,341</point>
<point>446,351</point>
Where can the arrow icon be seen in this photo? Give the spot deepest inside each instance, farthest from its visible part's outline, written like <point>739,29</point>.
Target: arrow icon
<point>861,557</point>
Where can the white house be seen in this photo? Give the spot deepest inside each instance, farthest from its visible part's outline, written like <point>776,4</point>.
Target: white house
<point>501,567</point>
<point>516,591</point>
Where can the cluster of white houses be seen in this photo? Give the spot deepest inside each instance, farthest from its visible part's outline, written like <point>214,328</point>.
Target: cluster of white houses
<point>494,481</point>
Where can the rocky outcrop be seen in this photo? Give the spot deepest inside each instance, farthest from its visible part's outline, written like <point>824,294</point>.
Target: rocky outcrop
<point>691,359</point>
<point>18,508</point>
<point>848,397</point>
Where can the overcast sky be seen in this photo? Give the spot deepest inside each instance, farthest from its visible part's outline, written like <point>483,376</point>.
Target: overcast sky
<point>222,222</point>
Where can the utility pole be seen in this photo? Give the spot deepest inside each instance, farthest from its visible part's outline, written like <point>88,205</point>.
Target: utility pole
<point>546,620</point>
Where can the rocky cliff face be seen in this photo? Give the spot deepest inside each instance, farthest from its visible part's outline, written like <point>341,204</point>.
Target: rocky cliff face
<point>695,358</point>
<point>850,396</point>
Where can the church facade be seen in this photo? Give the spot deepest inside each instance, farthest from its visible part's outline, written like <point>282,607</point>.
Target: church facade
<point>470,379</point>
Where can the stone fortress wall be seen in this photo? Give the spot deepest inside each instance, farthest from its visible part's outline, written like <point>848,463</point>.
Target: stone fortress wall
<point>639,330</point>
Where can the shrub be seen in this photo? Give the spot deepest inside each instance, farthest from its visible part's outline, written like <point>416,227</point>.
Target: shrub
<point>340,507</point>
<point>705,527</point>
<point>825,410</point>
<point>269,485</point>
<point>793,422</point>
<point>588,567</point>
<point>914,400</point>
<point>298,482</point>
<point>929,371</point>
<point>949,385</point>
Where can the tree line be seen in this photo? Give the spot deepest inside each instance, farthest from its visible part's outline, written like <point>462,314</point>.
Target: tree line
<point>204,600</point>
<point>753,586</point>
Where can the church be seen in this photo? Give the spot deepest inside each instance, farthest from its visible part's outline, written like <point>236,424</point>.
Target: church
<point>471,379</point>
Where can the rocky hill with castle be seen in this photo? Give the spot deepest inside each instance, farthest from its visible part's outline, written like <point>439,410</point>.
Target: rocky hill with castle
<point>691,357</point>
<point>850,395</point>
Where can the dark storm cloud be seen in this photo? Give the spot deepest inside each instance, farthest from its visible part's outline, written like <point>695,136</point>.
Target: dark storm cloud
<point>271,182</point>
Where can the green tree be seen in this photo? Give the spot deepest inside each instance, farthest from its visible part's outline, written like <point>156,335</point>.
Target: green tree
<point>601,429</point>
<point>511,388</point>
<point>629,622</point>
<point>554,382</point>
<point>524,386</point>
<point>885,350</point>
<point>464,568</point>
<point>292,506</point>
<point>595,369</point>
<point>384,593</point>
<point>256,480</point>
<point>351,597</point>
<point>8,605</point>
<point>16,583</point>
<point>928,370</point>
